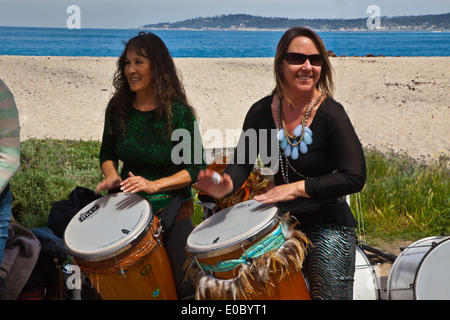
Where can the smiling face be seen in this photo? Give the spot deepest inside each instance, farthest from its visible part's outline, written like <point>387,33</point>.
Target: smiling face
<point>301,79</point>
<point>137,72</point>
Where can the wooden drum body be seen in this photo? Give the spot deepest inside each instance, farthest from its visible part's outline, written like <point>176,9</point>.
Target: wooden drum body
<point>116,241</point>
<point>242,252</point>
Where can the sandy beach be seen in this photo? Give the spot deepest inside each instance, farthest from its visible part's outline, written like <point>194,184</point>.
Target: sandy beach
<point>397,103</point>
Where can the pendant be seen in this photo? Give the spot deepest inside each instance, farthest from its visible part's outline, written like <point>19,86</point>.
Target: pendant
<point>293,148</point>
<point>280,134</point>
<point>307,138</point>
<point>303,147</point>
<point>287,151</point>
<point>294,153</point>
<point>298,130</point>
<point>283,143</point>
<point>302,138</point>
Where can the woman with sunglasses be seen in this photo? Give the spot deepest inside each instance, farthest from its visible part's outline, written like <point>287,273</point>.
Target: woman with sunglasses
<point>320,160</point>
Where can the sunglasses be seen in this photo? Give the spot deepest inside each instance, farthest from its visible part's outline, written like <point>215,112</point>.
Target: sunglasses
<point>300,58</point>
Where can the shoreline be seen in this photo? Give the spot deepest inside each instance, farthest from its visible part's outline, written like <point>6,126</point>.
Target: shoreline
<point>394,103</point>
<point>381,29</point>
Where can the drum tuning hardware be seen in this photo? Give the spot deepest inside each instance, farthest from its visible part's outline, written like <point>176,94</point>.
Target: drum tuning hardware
<point>157,234</point>
<point>121,271</point>
<point>249,260</point>
<point>198,264</point>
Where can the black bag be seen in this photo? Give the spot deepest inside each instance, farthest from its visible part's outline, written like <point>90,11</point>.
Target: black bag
<point>45,273</point>
<point>63,211</point>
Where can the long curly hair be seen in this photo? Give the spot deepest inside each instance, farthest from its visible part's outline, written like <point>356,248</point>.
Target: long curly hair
<point>166,84</point>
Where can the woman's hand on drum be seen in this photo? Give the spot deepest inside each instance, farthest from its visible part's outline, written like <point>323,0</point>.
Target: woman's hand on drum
<point>214,184</point>
<point>284,192</point>
<point>109,183</point>
<point>135,184</point>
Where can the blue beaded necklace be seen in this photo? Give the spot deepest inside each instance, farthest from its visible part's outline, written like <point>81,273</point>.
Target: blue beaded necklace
<point>284,142</point>
<point>302,138</point>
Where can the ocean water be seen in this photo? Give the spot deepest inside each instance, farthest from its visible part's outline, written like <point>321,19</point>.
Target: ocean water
<point>215,44</point>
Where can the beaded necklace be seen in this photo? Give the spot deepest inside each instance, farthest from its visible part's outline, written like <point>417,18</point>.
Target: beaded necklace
<point>291,145</point>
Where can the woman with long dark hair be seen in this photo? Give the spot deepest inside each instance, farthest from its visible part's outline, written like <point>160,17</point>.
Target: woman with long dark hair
<point>148,105</point>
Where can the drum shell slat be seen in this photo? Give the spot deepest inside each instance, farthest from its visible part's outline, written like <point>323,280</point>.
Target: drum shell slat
<point>136,285</point>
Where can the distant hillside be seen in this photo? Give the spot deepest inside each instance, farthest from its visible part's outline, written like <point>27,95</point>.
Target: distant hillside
<point>244,21</point>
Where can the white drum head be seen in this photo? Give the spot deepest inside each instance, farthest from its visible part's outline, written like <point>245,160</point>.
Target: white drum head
<point>226,230</point>
<point>107,226</point>
<point>366,285</point>
<point>433,276</point>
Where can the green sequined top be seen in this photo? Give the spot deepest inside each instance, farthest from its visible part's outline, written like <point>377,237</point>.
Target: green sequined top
<point>145,152</point>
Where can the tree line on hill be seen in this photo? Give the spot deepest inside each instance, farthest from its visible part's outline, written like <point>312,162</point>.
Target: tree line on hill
<point>438,22</point>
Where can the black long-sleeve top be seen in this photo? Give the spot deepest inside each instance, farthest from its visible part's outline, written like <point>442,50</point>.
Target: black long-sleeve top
<point>334,164</point>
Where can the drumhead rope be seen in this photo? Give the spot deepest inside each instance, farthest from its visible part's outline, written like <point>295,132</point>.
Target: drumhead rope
<point>260,268</point>
<point>272,241</point>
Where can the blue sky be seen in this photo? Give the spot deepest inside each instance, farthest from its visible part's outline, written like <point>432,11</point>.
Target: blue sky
<point>126,14</point>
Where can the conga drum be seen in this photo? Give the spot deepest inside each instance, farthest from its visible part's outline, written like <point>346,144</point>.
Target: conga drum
<point>247,252</point>
<point>421,271</point>
<point>116,241</point>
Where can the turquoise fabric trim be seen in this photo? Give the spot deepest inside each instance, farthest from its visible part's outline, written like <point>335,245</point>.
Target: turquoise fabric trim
<point>272,241</point>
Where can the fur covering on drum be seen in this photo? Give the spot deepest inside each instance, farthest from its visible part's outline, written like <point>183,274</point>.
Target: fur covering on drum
<point>261,276</point>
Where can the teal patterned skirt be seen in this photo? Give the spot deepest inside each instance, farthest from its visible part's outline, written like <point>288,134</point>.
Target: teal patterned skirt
<point>330,264</point>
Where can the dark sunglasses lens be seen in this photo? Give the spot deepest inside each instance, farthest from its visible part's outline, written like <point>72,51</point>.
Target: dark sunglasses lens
<point>296,58</point>
<point>300,58</point>
<point>315,59</point>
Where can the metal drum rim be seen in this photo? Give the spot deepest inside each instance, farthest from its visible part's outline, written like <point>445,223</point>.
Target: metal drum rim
<point>433,247</point>
<point>398,261</point>
<point>271,221</point>
<point>108,254</point>
<point>113,252</point>
<point>372,273</point>
<point>236,245</point>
